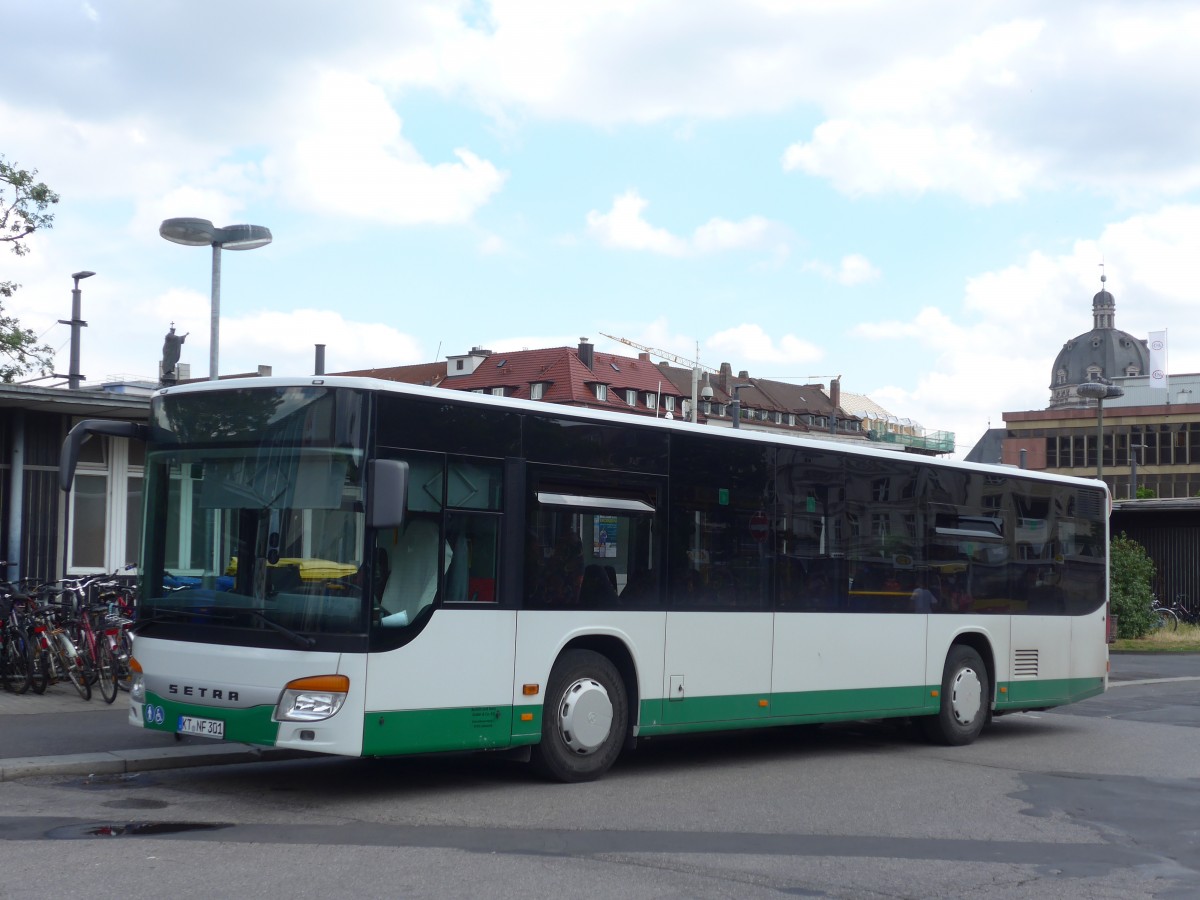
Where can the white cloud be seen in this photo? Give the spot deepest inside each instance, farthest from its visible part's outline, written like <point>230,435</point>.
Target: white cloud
<point>624,227</point>
<point>349,158</point>
<point>755,347</point>
<point>853,269</point>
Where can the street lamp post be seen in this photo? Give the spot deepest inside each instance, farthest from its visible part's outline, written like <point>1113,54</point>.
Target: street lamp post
<point>73,376</point>
<point>736,407</point>
<point>200,233</point>
<point>1100,392</point>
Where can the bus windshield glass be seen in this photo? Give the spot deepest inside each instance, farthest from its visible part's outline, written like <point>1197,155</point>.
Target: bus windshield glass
<point>258,503</point>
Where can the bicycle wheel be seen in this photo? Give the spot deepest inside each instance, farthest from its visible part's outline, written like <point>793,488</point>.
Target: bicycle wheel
<point>74,669</point>
<point>1167,620</point>
<point>39,664</point>
<point>124,654</point>
<point>106,670</point>
<point>16,663</point>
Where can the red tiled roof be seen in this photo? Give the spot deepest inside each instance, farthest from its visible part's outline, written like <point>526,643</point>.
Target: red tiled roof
<point>421,373</point>
<point>567,379</point>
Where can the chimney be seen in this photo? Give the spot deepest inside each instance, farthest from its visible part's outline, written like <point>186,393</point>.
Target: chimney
<point>644,357</point>
<point>587,352</point>
<point>319,362</point>
<point>726,376</point>
<point>835,392</point>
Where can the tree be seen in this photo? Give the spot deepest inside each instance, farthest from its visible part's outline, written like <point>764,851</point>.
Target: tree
<point>24,208</point>
<point>1130,590</point>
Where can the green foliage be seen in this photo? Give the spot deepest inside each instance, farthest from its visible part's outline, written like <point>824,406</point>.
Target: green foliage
<point>1130,594</point>
<point>24,208</point>
<point>1145,493</point>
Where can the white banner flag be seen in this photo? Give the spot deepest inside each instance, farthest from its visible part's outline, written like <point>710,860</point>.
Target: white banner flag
<point>1158,359</point>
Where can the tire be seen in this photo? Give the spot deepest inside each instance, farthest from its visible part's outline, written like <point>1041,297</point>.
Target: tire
<point>106,670</point>
<point>39,664</point>
<point>124,655</point>
<point>1167,620</point>
<point>16,663</point>
<point>584,720</point>
<point>76,674</point>
<point>966,700</point>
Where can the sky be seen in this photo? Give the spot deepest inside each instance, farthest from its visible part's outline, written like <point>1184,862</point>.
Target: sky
<point>918,197</point>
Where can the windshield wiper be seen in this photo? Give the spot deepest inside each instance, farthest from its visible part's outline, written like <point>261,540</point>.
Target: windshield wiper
<point>205,612</point>
<point>305,643</point>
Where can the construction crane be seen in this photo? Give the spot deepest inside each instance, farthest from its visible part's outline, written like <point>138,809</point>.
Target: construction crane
<point>662,354</point>
<point>692,364</point>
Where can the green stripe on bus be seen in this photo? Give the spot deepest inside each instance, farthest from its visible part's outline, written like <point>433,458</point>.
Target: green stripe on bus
<point>247,726</point>
<point>755,710</point>
<point>433,730</point>
<point>1047,692</point>
<point>497,727</point>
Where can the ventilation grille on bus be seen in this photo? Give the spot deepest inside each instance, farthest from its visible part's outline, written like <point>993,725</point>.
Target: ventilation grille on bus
<point>1025,663</point>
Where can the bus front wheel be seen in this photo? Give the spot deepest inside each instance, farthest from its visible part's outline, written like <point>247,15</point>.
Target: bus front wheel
<point>965,700</point>
<point>584,719</point>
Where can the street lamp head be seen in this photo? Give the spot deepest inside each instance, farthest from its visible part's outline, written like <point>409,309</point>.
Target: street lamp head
<point>202,233</point>
<point>1095,390</point>
<point>244,237</point>
<point>192,232</point>
<point>84,274</point>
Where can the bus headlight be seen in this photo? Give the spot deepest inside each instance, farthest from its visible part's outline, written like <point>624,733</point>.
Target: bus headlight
<point>137,683</point>
<point>312,699</point>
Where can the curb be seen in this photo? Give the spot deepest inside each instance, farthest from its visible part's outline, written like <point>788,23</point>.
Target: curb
<point>120,762</point>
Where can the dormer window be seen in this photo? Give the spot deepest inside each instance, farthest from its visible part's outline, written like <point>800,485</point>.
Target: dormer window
<point>601,391</point>
<point>651,401</point>
<point>791,418</point>
<point>537,390</point>
<point>669,403</point>
<point>631,398</point>
<point>497,392</point>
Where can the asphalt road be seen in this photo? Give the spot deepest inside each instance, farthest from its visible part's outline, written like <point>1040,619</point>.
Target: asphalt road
<point>1095,800</point>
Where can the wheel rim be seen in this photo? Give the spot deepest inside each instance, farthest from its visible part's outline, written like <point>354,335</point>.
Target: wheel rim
<point>966,696</point>
<point>585,716</point>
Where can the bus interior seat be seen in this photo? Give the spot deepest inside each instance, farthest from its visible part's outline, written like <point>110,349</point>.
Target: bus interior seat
<point>413,578</point>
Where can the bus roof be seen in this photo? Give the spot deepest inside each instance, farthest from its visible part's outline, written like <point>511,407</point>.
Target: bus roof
<point>470,398</point>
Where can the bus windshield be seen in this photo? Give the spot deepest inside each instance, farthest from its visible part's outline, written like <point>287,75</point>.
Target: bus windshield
<point>257,501</point>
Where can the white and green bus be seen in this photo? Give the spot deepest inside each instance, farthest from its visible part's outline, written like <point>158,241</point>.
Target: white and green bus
<point>364,568</point>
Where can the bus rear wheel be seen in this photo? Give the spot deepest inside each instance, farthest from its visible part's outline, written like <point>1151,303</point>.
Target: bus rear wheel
<point>965,700</point>
<point>584,720</point>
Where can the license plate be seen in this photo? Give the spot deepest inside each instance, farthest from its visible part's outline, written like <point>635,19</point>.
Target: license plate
<point>209,728</point>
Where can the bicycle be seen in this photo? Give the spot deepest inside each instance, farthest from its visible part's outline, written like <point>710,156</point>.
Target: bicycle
<point>15,664</point>
<point>1165,617</point>
<point>59,657</point>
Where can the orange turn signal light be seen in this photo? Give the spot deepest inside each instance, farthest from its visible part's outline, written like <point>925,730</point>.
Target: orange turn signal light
<point>332,684</point>
<point>531,690</point>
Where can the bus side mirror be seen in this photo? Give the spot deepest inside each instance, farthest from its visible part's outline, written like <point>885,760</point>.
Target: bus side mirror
<point>389,493</point>
<point>69,455</point>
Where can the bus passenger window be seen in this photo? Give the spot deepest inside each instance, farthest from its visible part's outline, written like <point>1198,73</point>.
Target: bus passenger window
<point>474,542</point>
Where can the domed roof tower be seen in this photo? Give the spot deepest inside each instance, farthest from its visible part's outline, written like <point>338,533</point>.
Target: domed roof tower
<point>1101,354</point>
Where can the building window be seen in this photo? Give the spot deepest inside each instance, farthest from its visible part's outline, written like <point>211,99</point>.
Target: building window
<point>778,418</point>
<point>105,507</point>
<point>497,392</point>
<point>651,401</point>
<point>791,419</point>
<point>537,390</point>
<point>458,364</point>
<point>631,398</point>
<point>602,392</point>
<point>669,403</point>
